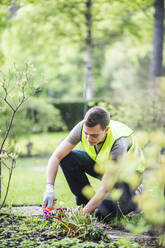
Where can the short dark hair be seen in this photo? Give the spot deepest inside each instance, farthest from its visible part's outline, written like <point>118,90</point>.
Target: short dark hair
<point>95,116</point>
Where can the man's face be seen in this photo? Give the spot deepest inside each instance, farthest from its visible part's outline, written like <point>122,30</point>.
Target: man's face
<point>94,135</point>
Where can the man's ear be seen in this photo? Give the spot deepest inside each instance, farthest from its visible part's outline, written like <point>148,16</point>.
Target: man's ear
<point>106,129</point>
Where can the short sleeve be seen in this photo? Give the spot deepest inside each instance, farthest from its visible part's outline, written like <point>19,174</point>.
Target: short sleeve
<point>74,136</point>
<point>120,147</point>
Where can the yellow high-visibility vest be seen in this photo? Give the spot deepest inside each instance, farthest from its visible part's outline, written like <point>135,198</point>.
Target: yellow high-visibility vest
<point>117,130</point>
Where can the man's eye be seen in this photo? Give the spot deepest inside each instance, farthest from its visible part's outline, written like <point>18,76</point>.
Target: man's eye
<point>94,135</point>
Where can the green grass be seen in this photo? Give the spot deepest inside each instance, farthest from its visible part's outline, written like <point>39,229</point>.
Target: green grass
<point>44,143</point>
<point>29,180</point>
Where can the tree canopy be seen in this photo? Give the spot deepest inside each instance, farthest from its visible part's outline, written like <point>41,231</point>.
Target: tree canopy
<point>52,36</point>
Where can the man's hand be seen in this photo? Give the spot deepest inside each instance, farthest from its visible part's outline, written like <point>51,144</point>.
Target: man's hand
<point>85,211</point>
<point>48,196</point>
<point>100,195</point>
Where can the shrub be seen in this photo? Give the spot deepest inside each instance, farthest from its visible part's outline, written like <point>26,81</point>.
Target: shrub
<point>43,116</point>
<point>37,116</point>
<point>72,112</point>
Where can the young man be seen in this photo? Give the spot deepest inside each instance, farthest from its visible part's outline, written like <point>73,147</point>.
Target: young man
<point>102,139</point>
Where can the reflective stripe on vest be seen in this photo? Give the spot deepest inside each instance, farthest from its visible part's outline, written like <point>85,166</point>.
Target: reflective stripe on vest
<point>117,130</point>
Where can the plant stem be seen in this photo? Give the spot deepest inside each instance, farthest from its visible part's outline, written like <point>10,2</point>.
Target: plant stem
<point>7,190</point>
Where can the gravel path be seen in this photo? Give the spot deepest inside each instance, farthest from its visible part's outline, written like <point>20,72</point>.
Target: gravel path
<point>28,210</point>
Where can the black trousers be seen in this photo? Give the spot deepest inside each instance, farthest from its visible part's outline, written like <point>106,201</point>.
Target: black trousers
<point>75,166</point>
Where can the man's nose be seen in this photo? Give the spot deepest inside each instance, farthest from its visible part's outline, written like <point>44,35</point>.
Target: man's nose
<point>88,138</point>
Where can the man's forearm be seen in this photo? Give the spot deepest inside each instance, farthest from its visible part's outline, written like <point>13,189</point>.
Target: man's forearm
<point>95,202</point>
<point>52,169</point>
<point>62,151</point>
<point>100,195</point>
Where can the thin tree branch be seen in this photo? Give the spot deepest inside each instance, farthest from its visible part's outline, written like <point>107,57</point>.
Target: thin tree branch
<point>3,162</point>
<point>12,117</point>
<point>5,98</point>
<point>8,130</point>
<point>9,180</point>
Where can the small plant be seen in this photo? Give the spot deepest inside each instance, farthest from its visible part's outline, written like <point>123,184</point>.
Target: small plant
<point>15,88</point>
<point>125,243</point>
<point>65,228</point>
<point>72,223</point>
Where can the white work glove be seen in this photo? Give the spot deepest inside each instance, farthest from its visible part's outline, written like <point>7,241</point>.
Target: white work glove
<point>48,196</point>
<point>139,190</point>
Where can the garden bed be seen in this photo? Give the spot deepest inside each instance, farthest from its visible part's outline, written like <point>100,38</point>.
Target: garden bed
<point>25,227</point>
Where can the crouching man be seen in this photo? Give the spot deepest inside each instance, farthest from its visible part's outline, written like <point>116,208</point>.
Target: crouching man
<point>102,139</point>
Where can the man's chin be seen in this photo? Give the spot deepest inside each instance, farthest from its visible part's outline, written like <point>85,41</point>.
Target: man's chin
<point>92,144</point>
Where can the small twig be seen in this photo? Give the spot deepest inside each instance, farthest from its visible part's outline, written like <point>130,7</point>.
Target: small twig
<point>9,180</point>
<point>5,98</point>
<point>8,130</point>
<point>2,161</point>
<point>12,117</point>
<point>20,103</point>
<point>122,214</point>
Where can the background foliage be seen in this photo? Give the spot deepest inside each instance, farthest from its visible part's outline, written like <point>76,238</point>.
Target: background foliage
<point>53,35</point>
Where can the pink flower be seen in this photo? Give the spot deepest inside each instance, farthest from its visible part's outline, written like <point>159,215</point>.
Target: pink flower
<point>62,209</point>
<point>106,226</point>
<point>94,218</point>
<point>96,226</point>
<point>46,211</point>
<point>48,216</point>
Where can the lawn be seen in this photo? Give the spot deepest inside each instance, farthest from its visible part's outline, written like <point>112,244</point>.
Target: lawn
<point>29,177</point>
<point>42,144</point>
<point>29,180</point>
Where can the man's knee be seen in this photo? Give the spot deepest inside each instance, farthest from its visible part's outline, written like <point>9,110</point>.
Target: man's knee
<point>107,211</point>
<point>65,159</point>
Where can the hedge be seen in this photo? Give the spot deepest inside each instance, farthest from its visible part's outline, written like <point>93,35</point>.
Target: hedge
<point>71,112</point>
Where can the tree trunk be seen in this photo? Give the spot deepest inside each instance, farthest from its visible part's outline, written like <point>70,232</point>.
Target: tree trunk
<point>157,56</point>
<point>88,60</point>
